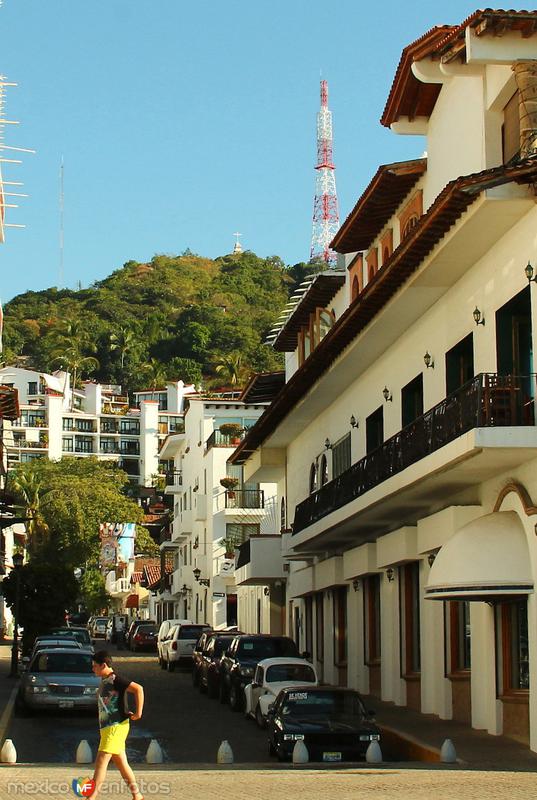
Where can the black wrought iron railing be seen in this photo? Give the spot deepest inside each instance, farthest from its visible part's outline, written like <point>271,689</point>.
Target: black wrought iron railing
<point>218,439</point>
<point>244,556</point>
<point>245,498</point>
<point>488,400</point>
<point>174,477</point>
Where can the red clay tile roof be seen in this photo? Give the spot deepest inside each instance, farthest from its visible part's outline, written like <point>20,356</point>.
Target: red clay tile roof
<point>9,402</point>
<point>136,577</point>
<point>152,575</point>
<point>387,189</point>
<point>454,199</point>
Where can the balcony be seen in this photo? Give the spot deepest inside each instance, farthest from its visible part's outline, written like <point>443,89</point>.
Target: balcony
<point>120,587</point>
<point>174,482</point>
<point>488,401</point>
<point>218,439</point>
<point>129,448</point>
<point>260,561</point>
<point>240,502</point>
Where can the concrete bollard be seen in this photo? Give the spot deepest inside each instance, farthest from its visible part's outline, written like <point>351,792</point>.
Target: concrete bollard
<point>83,753</point>
<point>225,753</point>
<point>8,754</point>
<point>447,752</point>
<point>300,753</point>
<point>154,753</point>
<point>373,754</point>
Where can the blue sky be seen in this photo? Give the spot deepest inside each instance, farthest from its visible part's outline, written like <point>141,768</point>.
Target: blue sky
<point>182,122</point>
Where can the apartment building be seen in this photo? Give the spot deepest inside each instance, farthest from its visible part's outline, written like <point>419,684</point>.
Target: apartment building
<point>215,512</point>
<point>403,443</point>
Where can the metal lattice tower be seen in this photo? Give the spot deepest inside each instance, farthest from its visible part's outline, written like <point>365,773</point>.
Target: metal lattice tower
<point>325,205</point>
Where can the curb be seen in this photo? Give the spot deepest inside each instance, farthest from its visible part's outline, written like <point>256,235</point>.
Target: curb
<point>7,716</point>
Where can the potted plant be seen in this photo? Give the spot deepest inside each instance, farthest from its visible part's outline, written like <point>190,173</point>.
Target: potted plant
<point>229,546</point>
<point>230,484</point>
<point>233,431</point>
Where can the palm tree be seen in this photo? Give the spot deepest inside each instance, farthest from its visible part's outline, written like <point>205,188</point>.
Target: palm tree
<point>72,346</point>
<point>232,368</point>
<point>156,373</point>
<point>123,341</point>
<point>28,487</point>
<point>72,360</point>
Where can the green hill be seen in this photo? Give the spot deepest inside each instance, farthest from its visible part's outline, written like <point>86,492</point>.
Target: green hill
<point>175,317</point>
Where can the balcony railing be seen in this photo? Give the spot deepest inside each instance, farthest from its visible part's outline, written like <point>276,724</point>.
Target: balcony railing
<point>174,478</point>
<point>488,400</point>
<point>218,439</point>
<point>245,498</point>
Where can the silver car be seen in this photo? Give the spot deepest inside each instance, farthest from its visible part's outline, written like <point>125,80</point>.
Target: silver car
<point>59,678</point>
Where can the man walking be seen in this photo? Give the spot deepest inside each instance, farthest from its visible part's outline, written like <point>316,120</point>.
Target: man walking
<point>114,722</point>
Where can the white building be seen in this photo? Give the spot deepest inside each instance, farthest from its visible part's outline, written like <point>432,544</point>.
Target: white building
<point>212,522</point>
<point>404,441</point>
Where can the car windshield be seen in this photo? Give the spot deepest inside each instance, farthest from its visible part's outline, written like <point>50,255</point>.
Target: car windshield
<point>259,649</point>
<point>332,704</point>
<point>62,662</point>
<point>290,672</point>
<point>147,629</point>
<point>221,644</point>
<point>56,643</point>
<point>191,631</point>
<point>79,636</point>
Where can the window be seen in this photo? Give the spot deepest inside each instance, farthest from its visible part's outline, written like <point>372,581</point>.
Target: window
<point>511,129</point>
<point>355,291</point>
<point>411,214</point>
<point>341,456</point>
<point>240,532</point>
<point>313,478</point>
<point>386,246</point>
<point>83,444</point>
<point>372,619</point>
<point>372,263</point>
<point>67,445</point>
<point>356,276</point>
<point>32,387</point>
<point>374,430</point>
<point>412,401</point>
<point>410,223</point>
<point>68,424</point>
<point>460,364</point>
<point>324,470</point>
<point>459,636</point>
<point>340,625</point>
<point>409,604</point>
<point>512,648</point>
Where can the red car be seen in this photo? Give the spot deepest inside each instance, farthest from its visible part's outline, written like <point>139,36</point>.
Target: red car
<point>145,638</point>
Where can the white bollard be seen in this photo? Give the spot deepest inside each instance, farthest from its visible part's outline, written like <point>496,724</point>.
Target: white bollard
<point>447,753</point>
<point>300,753</point>
<point>225,753</point>
<point>8,754</point>
<point>373,754</point>
<point>154,753</point>
<point>83,753</point>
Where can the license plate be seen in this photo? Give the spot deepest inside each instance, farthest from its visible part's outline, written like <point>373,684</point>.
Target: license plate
<point>66,703</point>
<point>331,756</point>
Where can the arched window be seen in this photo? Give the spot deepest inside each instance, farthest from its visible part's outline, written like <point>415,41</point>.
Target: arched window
<point>324,470</point>
<point>355,291</point>
<point>313,478</point>
<point>385,255</point>
<point>409,224</point>
<point>326,320</point>
<point>283,526</point>
<point>370,272</point>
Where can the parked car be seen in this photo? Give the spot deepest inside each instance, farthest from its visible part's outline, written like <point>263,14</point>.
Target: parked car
<point>80,634</point>
<point>177,647</point>
<point>164,630</point>
<point>197,655</point>
<point>59,678</point>
<point>271,676</point>
<point>98,628</point>
<point>242,657</point>
<point>332,722</point>
<point>209,665</point>
<point>144,637</point>
<point>51,642</point>
<point>133,627</point>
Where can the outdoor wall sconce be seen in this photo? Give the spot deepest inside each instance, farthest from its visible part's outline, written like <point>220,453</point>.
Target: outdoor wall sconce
<point>430,559</point>
<point>356,584</point>
<point>529,273</point>
<point>429,360</point>
<point>387,395</point>
<point>185,589</point>
<point>327,444</point>
<point>266,591</point>
<point>477,317</point>
<point>390,574</point>
<point>354,422</point>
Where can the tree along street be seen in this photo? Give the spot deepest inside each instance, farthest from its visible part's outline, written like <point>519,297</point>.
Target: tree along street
<point>188,725</point>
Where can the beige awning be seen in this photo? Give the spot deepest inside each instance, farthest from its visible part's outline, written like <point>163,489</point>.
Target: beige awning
<point>486,558</point>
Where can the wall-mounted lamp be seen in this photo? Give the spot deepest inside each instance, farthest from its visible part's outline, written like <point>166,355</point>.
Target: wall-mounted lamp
<point>266,591</point>
<point>387,395</point>
<point>430,559</point>
<point>429,360</point>
<point>356,584</point>
<point>327,444</point>
<point>477,317</point>
<point>185,589</point>
<point>390,574</point>
<point>529,273</point>
<point>201,581</point>
<point>354,422</point>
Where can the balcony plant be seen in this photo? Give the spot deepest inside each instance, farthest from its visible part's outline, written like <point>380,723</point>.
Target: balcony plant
<point>232,430</point>
<point>230,484</point>
<point>230,544</point>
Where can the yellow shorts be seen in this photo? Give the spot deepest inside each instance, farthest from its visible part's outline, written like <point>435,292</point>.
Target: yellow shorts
<point>113,738</point>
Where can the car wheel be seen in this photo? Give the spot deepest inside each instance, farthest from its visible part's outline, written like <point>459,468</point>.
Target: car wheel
<point>222,692</point>
<point>259,718</point>
<point>235,700</point>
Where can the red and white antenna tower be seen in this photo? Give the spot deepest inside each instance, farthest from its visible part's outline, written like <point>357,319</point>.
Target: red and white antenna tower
<point>325,206</point>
